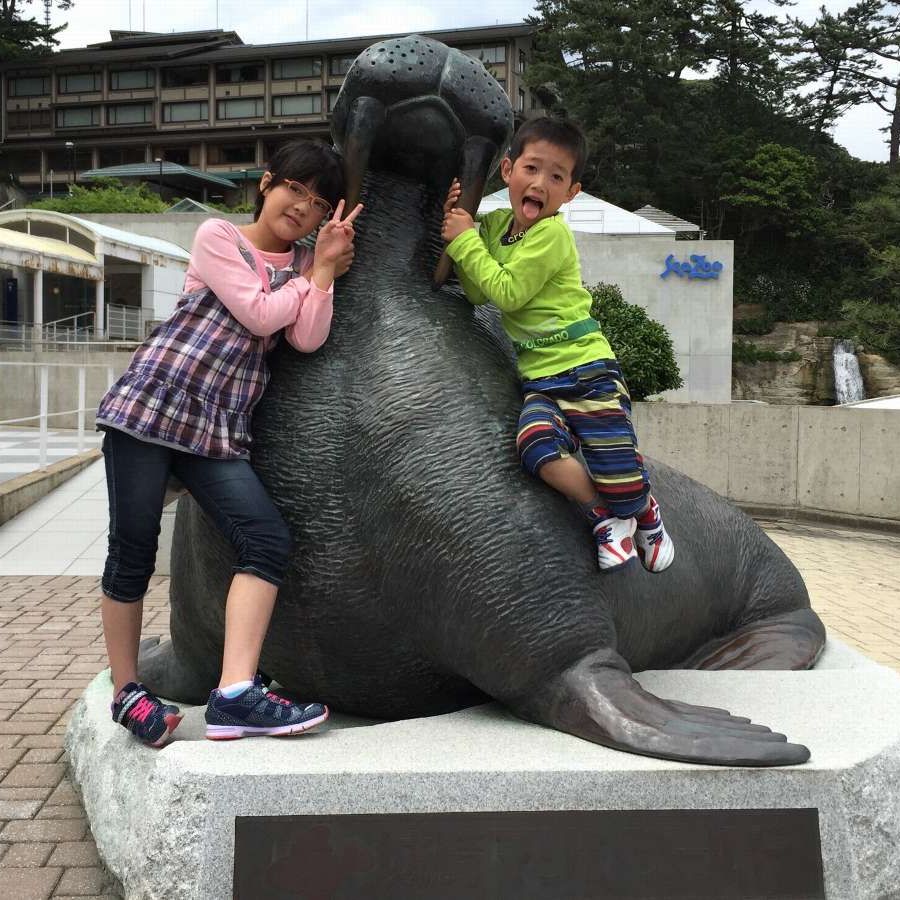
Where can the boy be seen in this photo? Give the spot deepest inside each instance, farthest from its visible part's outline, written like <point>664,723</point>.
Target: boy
<point>524,261</point>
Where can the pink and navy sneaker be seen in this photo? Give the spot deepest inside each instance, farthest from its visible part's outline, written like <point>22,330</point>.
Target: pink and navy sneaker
<point>654,546</point>
<point>259,711</point>
<point>144,715</point>
<point>615,547</point>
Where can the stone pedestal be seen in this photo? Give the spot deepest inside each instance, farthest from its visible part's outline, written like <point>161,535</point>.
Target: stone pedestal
<point>164,821</point>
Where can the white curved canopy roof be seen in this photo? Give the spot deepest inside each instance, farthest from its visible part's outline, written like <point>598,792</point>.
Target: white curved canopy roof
<point>56,242</point>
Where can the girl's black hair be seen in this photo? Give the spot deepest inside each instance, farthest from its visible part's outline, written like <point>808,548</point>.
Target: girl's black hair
<point>312,162</point>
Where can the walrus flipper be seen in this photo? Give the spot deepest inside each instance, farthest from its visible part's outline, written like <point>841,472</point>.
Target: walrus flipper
<point>789,640</point>
<point>598,699</point>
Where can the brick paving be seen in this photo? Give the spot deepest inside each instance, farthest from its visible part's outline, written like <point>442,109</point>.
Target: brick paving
<point>51,645</point>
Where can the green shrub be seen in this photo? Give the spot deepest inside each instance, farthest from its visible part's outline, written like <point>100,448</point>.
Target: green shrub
<point>107,196</point>
<point>642,346</point>
<point>761,325</point>
<point>874,325</point>
<point>748,352</point>
<point>786,297</point>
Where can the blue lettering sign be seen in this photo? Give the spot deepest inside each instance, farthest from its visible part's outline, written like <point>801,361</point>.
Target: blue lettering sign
<point>698,267</point>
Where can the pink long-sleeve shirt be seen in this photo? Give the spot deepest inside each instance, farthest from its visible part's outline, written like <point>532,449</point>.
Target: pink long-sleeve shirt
<point>300,306</point>
<point>194,382</point>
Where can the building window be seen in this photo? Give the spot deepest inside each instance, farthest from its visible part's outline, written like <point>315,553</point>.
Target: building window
<point>502,83</point>
<point>300,105</point>
<point>184,155</point>
<point>120,156</point>
<point>340,65</point>
<point>28,120</point>
<point>186,112</point>
<point>332,97</point>
<point>492,54</point>
<point>78,117</point>
<point>241,108</point>
<point>84,83</point>
<point>231,154</point>
<point>129,114</point>
<point>237,74</point>
<point>185,76</point>
<point>301,67</point>
<point>521,62</point>
<point>131,80</point>
<point>15,161</point>
<point>521,104</point>
<point>34,86</point>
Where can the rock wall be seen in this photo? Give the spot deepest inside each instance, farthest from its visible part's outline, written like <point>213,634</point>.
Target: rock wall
<point>880,377</point>
<point>803,382</point>
<point>808,381</point>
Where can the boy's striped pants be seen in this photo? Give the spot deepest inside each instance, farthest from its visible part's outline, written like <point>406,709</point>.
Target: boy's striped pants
<point>586,408</point>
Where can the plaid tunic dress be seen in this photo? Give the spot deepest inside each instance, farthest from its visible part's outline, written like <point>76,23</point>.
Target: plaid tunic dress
<point>194,382</point>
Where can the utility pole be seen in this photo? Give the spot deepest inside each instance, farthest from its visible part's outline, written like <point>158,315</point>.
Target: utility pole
<point>70,146</point>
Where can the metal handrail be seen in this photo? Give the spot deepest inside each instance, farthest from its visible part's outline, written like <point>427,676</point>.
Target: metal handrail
<point>75,318</point>
<point>44,414</point>
<point>28,336</point>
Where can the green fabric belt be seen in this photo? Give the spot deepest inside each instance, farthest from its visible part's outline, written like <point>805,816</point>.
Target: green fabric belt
<point>569,333</point>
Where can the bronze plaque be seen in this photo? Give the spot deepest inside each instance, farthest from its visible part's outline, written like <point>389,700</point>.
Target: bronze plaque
<point>735,854</point>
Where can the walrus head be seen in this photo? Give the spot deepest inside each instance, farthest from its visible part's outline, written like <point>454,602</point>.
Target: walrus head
<point>417,108</point>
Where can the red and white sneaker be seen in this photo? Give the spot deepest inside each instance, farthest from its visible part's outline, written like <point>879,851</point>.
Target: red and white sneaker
<point>654,546</point>
<point>615,547</point>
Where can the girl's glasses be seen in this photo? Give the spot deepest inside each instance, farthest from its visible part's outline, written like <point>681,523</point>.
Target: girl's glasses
<point>304,194</point>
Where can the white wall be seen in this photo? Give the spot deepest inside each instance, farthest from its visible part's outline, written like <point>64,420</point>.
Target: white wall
<point>179,228</point>
<point>160,289</point>
<point>837,459</point>
<point>697,313</point>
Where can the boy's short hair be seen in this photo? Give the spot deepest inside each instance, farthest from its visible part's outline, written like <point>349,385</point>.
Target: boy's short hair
<point>562,132</point>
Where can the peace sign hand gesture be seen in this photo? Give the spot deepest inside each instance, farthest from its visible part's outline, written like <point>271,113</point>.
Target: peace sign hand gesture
<point>334,246</point>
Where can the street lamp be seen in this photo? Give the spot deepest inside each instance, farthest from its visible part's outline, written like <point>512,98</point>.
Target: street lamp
<point>244,187</point>
<point>70,146</point>
<point>159,160</point>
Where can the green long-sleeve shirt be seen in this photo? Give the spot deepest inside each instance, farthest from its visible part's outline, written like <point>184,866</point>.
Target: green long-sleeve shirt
<point>535,282</point>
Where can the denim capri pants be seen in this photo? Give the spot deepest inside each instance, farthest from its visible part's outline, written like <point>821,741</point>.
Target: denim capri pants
<point>228,491</point>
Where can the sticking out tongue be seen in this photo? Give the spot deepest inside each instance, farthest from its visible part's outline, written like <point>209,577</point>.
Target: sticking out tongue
<point>531,208</point>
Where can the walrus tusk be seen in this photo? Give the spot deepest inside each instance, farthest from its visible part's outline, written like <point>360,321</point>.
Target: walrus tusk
<point>365,117</point>
<point>477,156</point>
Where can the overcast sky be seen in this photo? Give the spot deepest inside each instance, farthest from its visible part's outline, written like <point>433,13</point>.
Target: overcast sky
<point>275,21</point>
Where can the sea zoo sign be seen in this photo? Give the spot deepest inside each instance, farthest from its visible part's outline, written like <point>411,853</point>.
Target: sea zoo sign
<point>699,267</point>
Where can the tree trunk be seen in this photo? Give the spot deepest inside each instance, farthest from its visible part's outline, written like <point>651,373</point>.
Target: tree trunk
<point>895,131</point>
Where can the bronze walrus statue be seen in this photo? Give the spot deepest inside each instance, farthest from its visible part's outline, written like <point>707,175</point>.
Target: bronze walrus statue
<point>430,572</point>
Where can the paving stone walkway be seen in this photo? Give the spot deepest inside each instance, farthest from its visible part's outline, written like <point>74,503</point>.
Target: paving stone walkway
<point>51,645</point>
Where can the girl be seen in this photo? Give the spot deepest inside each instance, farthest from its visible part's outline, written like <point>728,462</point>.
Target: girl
<point>183,408</point>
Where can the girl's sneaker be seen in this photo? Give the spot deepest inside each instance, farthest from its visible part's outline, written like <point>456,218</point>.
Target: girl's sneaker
<point>145,715</point>
<point>615,547</point>
<point>258,711</point>
<point>654,545</point>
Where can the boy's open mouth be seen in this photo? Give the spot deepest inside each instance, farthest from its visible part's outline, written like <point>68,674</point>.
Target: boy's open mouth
<point>531,207</point>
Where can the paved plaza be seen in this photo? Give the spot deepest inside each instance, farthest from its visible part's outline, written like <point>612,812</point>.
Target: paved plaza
<point>20,448</point>
<point>51,646</point>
